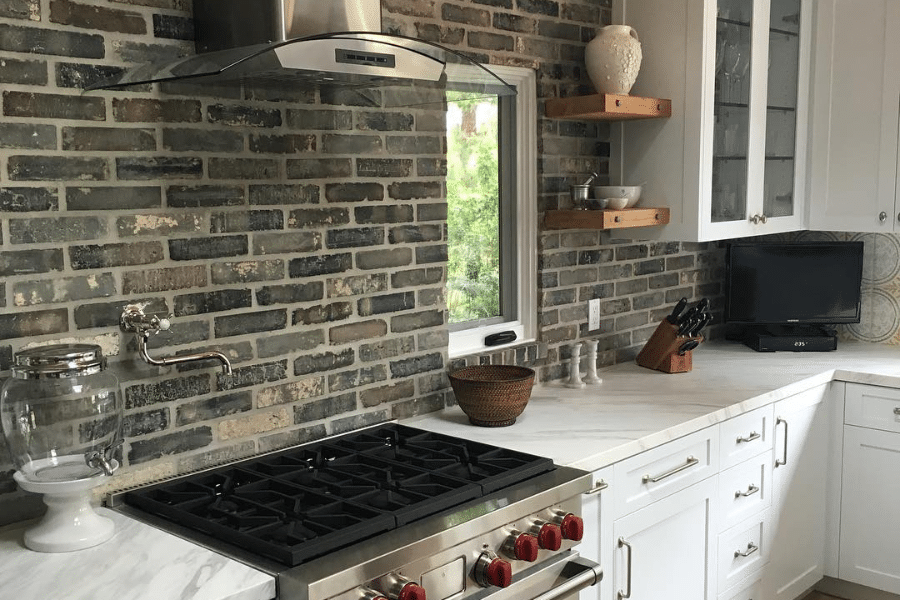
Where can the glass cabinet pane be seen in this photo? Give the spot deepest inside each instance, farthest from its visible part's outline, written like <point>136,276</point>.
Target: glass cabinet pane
<point>732,115</point>
<point>781,115</point>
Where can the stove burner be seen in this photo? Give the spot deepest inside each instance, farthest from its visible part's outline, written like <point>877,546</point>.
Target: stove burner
<point>305,502</point>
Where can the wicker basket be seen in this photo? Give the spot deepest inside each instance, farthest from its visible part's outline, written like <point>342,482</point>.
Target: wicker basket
<point>492,395</point>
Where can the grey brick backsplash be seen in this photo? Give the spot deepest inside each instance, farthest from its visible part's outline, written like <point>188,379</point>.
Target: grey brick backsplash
<point>247,271</point>
<point>85,198</point>
<point>327,313</point>
<point>25,72</point>
<point>179,196</point>
<point>301,234</point>
<point>270,320</point>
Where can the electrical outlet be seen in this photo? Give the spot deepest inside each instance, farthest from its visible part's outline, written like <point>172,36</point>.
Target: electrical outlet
<point>593,314</point>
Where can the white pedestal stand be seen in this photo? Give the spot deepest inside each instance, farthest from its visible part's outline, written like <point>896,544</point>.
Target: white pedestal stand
<point>591,376</point>
<point>575,368</point>
<point>70,522</point>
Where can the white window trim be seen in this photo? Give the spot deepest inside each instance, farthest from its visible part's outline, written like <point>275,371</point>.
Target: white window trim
<point>471,341</point>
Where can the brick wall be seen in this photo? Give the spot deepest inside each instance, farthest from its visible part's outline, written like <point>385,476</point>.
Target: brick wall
<point>302,236</point>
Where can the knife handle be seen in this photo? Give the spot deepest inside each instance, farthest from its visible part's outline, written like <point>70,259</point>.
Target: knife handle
<point>673,318</point>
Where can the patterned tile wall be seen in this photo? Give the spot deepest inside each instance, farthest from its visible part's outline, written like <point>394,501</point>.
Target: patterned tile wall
<point>880,311</point>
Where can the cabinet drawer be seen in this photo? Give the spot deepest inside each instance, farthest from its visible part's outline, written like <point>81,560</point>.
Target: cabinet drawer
<point>743,550</point>
<point>649,476</point>
<point>872,406</point>
<point>745,436</point>
<point>751,589</point>
<point>745,490</point>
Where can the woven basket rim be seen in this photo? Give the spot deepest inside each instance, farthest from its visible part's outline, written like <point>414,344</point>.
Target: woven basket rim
<point>473,374</point>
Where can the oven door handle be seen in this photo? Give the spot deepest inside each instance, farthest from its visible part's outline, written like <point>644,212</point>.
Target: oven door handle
<point>580,573</point>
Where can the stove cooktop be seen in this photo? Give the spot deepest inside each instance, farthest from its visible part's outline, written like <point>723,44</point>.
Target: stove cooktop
<point>301,503</point>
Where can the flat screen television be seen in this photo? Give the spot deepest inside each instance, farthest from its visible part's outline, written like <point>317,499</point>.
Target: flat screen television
<point>801,283</point>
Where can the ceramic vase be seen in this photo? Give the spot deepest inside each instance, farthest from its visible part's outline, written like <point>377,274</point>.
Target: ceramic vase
<point>613,59</point>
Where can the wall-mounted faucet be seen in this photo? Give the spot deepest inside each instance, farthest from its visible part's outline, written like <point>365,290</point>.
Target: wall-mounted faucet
<point>133,320</point>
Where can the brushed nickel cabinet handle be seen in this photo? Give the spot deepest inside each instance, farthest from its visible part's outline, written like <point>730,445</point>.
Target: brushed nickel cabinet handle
<point>750,491</point>
<point>622,595</point>
<point>691,461</point>
<point>751,548</point>
<point>897,411</point>
<point>779,462</point>
<point>599,487</point>
<point>753,436</point>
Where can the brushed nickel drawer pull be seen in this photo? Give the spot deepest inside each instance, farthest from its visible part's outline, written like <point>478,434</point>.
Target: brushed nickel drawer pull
<point>753,436</point>
<point>751,548</point>
<point>897,411</point>
<point>622,595</point>
<point>691,461</point>
<point>599,487</point>
<point>750,491</point>
<point>779,462</point>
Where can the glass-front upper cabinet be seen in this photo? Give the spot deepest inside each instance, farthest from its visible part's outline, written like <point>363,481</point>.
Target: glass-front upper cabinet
<point>731,160</point>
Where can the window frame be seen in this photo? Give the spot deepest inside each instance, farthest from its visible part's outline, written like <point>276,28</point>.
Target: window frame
<point>471,340</point>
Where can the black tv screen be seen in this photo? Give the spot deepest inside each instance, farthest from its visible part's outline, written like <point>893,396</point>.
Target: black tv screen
<point>788,283</point>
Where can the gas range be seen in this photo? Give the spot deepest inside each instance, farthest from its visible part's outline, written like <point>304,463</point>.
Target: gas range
<point>386,513</point>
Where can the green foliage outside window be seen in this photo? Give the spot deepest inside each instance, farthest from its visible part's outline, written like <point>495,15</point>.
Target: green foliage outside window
<point>473,220</point>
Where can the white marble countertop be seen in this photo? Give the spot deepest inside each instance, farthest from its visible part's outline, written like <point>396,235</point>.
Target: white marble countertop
<point>140,562</point>
<point>635,409</point>
<point>632,410</point>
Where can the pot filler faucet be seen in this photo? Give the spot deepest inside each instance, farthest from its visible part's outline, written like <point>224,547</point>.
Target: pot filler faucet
<point>133,320</point>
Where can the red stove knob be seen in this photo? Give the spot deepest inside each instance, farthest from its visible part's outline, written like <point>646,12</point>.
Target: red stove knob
<point>522,546</point>
<point>499,573</point>
<point>572,527</point>
<point>549,536</point>
<point>411,591</point>
<point>397,587</point>
<point>490,570</point>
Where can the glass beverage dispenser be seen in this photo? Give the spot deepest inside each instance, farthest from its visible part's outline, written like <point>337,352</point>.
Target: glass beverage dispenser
<point>61,413</point>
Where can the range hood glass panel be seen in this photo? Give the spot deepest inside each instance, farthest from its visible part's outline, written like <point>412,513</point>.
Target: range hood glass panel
<point>335,59</point>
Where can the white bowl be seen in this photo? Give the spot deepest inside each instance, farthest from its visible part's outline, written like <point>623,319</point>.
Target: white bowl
<point>632,193</point>
<point>617,203</point>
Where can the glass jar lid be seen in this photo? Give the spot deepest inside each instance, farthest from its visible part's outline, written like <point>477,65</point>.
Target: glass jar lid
<point>58,360</point>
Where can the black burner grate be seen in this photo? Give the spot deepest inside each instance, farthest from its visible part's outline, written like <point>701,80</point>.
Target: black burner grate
<point>305,502</point>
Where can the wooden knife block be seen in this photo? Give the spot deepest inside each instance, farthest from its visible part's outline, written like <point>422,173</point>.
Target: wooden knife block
<point>661,350</point>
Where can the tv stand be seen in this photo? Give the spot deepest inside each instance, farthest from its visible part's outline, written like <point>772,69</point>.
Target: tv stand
<point>792,338</point>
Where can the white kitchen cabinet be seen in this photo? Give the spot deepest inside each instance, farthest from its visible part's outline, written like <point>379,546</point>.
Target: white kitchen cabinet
<point>743,550</point>
<point>854,120</point>
<point>869,509</point>
<point>597,544</point>
<point>800,484</point>
<point>731,160</point>
<point>667,549</point>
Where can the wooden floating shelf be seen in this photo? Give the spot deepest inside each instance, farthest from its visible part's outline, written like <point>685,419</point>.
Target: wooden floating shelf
<point>605,219</point>
<point>608,107</point>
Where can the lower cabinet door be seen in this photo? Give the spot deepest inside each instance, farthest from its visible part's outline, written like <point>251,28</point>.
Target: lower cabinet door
<point>870,510</point>
<point>800,485</point>
<point>596,543</point>
<point>667,549</point>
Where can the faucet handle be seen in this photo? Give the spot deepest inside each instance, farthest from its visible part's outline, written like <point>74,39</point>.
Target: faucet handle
<point>134,320</point>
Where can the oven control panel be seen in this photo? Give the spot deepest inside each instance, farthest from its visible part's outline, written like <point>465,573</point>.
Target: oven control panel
<point>482,564</point>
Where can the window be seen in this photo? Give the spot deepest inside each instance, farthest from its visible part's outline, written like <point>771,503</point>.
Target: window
<point>492,214</point>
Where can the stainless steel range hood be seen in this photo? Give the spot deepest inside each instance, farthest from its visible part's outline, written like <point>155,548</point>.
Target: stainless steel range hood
<point>297,45</point>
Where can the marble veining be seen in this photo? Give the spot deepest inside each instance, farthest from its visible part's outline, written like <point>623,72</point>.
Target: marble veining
<point>635,409</point>
<point>632,410</point>
<point>140,562</point>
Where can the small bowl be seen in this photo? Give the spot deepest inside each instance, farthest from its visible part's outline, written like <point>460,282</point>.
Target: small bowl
<point>596,203</point>
<point>492,395</point>
<point>617,203</point>
<point>630,192</point>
